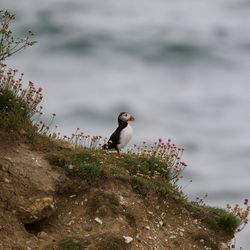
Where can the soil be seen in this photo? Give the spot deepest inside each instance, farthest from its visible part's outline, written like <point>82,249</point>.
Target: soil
<point>107,214</point>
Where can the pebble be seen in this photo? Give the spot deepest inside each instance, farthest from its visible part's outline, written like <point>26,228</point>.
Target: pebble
<point>172,237</point>
<point>42,235</point>
<point>98,220</point>
<point>6,180</point>
<point>147,227</point>
<point>127,239</point>
<point>70,166</point>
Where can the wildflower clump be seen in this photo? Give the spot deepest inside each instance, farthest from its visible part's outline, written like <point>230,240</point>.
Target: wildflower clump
<point>17,104</point>
<point>241,213</point>
<point>161,159</point>
<point>201,200</point>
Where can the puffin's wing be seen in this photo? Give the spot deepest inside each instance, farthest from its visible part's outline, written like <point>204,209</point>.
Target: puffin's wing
<point>114,138</point>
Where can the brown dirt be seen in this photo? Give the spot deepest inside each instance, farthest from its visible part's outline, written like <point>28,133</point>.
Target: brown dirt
<point>152,222</point>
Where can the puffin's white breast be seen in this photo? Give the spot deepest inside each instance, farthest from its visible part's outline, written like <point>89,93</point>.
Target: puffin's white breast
<point>125,136</point>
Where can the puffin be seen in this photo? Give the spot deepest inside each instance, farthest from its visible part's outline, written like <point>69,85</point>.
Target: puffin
<point>122,135</point>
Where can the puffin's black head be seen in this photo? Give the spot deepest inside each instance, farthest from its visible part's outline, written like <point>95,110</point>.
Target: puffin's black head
<point>125,117</point>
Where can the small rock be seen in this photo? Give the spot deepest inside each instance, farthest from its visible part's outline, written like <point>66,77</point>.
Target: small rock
<point>202,241</point>
<point>181,234</point>
<point>98,220</point>
<point>42,235</point>
<point>70,166</point>
<point>72,196</point>
<point>6,180</point>
<point>160,224</point>
<point>127,239</point>
<point>147,227</point>
<point>224,246</point>
<point>172,237</point>
<point>70,223</point>
<point>37,210</point>
<point>195,221</point>
<point>121,200</point>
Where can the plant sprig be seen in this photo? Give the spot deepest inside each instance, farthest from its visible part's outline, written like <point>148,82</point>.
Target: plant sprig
<point>8,44</point>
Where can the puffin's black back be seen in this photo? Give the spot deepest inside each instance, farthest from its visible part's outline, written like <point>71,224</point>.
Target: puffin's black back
<point>114,139</point>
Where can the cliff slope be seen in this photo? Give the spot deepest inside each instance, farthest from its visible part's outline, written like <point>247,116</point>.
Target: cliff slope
<point>43,206</point>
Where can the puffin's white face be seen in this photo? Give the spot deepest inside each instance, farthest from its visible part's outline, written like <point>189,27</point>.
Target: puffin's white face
<point>124,116</point>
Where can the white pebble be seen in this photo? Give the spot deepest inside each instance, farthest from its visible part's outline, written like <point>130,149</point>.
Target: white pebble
<point>127,239</point>
<point>98,220</point>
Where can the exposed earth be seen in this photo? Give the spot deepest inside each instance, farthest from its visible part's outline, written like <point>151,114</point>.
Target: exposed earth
<point>42,207</point>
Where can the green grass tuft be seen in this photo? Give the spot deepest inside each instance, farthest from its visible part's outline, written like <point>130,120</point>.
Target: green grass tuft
<point>216,217</point>
<point>225,220</point>
<point>90,172</point>
<point>14,113</point>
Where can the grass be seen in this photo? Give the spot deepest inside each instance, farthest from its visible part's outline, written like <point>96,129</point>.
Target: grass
<point>93,165</point>
<point>13,111</point>
<point>215,217</point>
<point>225,220</point>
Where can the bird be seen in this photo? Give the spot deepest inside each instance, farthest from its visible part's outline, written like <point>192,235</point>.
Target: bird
<point>122,135</point>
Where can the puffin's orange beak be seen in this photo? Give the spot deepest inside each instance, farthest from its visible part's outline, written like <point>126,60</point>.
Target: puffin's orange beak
<point>131,118</point>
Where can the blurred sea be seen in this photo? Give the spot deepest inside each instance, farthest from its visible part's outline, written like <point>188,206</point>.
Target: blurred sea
<point>181,67</point>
